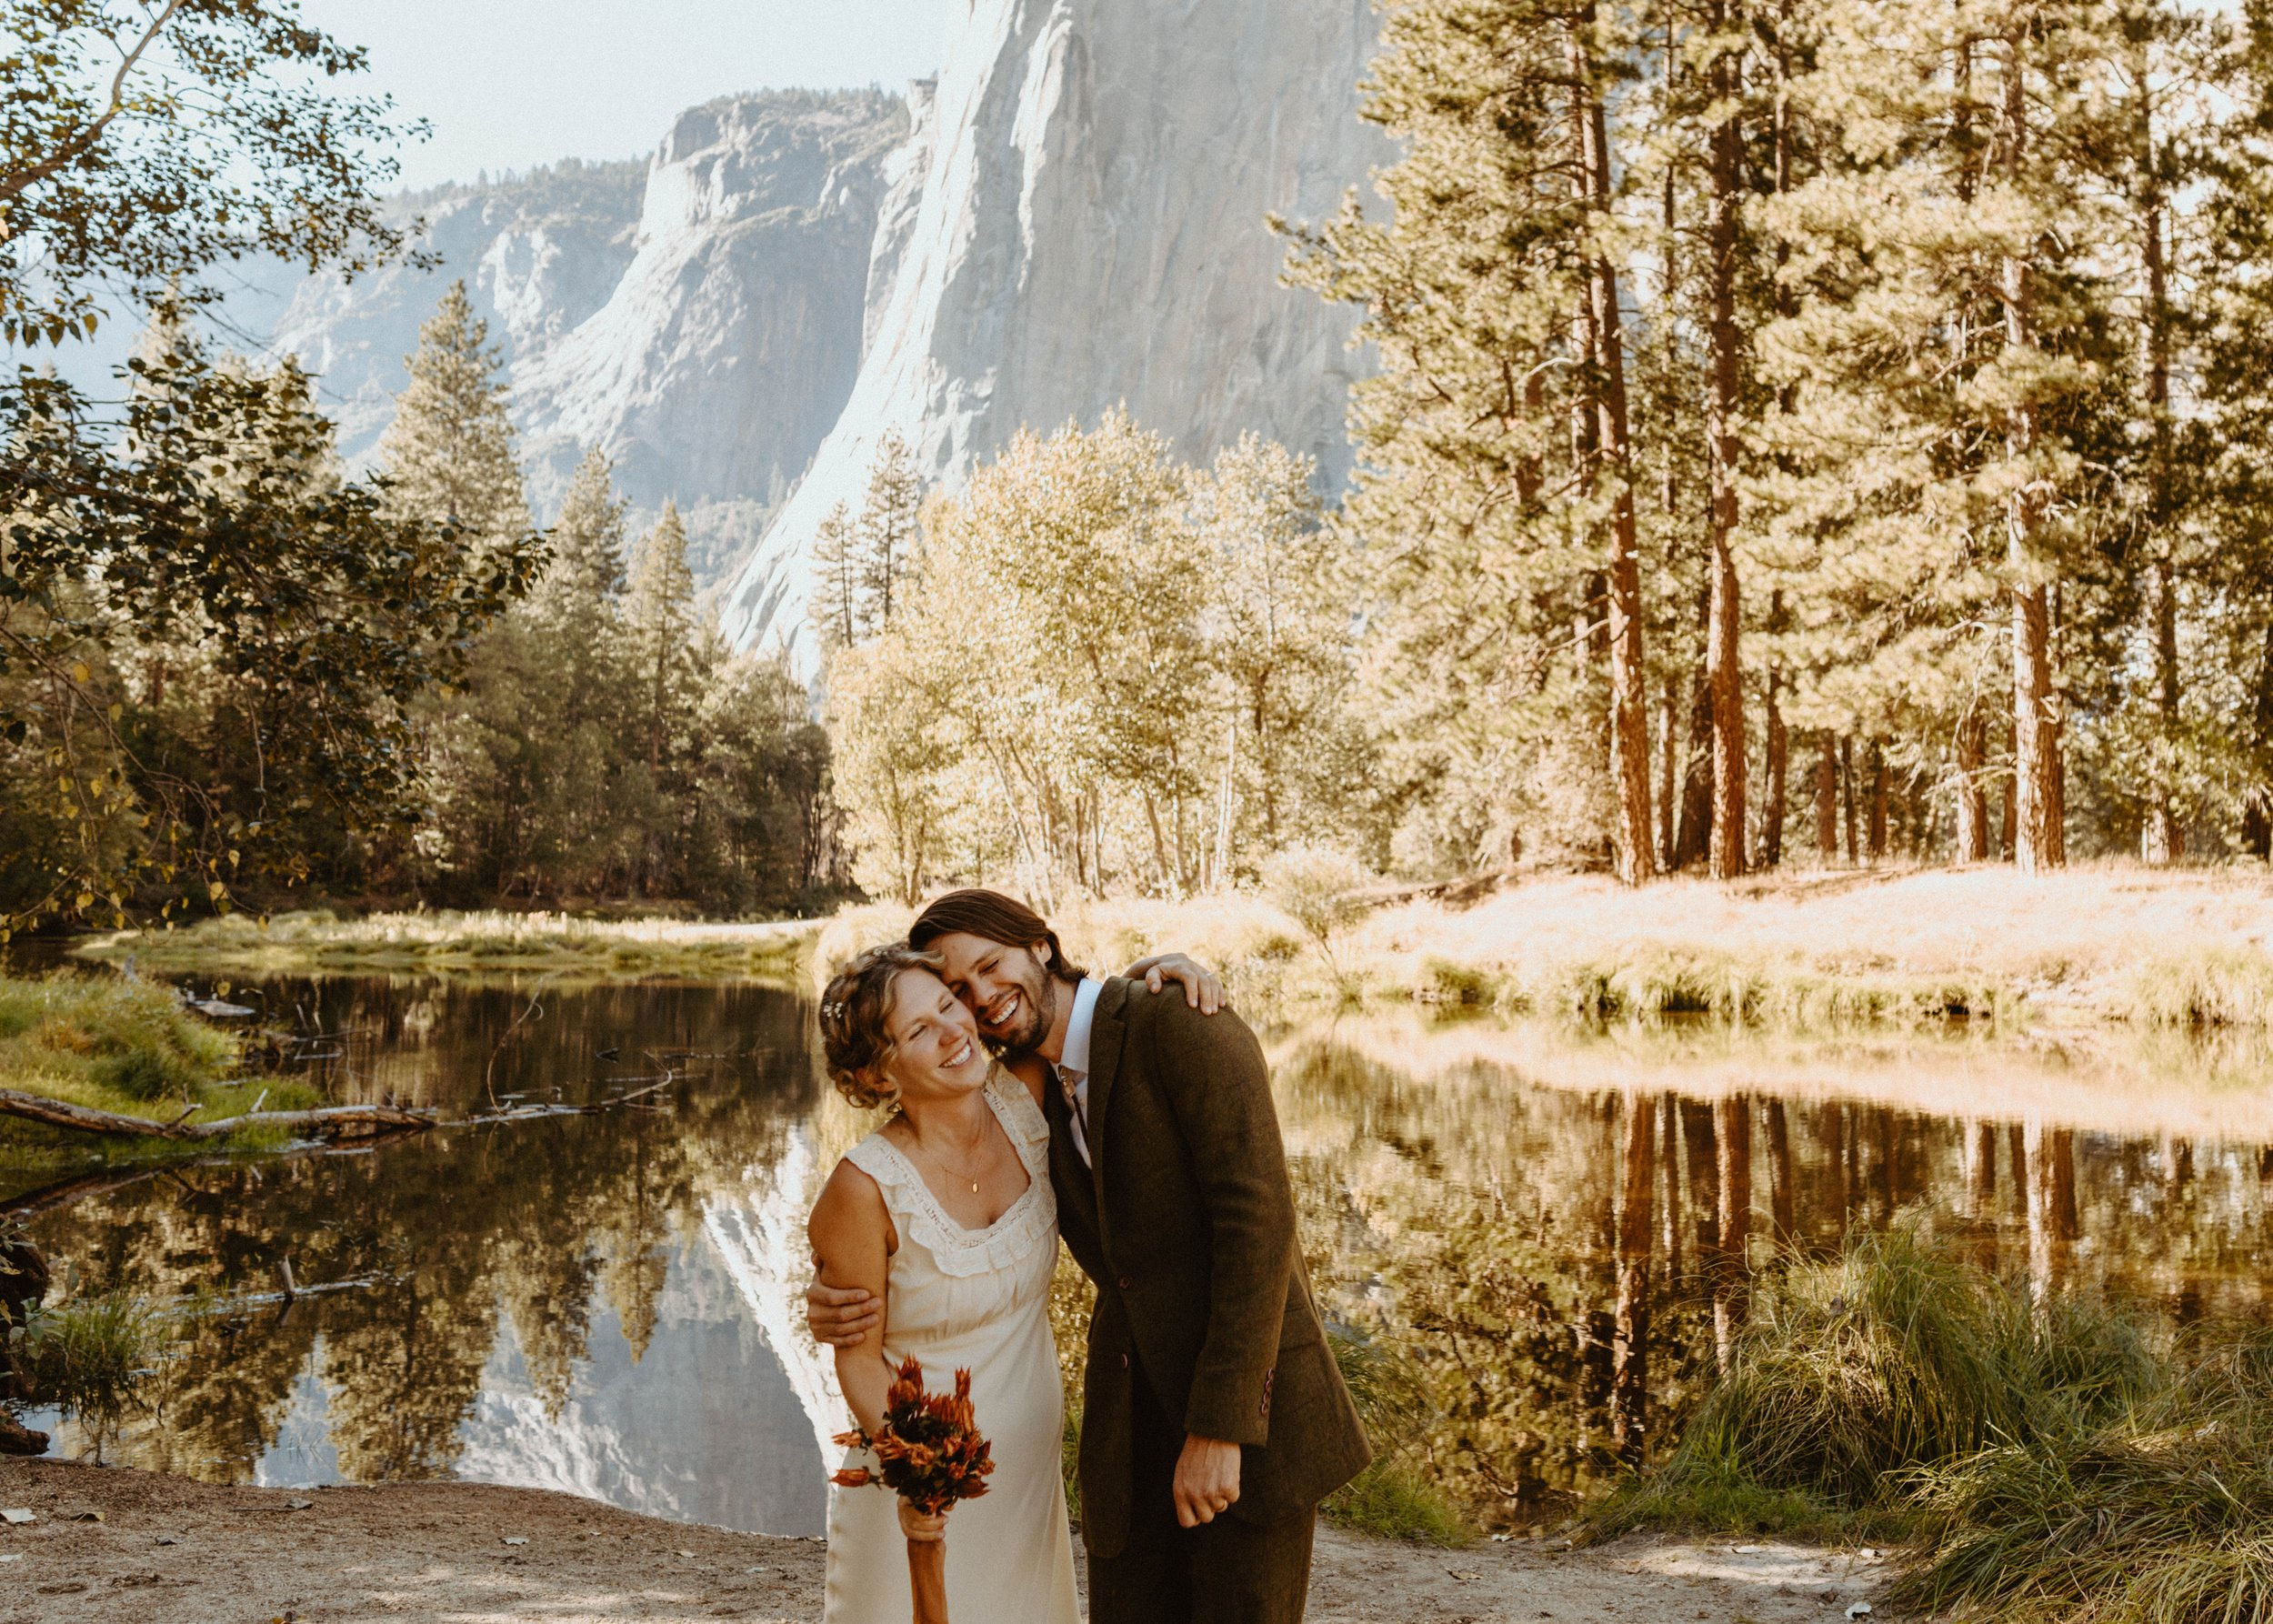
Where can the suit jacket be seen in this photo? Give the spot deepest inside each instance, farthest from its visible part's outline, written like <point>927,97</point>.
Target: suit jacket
<point>1185,1221</point>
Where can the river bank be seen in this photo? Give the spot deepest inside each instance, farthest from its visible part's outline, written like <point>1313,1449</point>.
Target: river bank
<point>1804,949</point>
<point>170,1550</point>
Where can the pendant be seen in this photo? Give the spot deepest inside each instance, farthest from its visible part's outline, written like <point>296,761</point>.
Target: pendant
<point>974,1186</point>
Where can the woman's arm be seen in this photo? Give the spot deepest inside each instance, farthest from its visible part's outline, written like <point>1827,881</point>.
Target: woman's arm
<point>852,1244</point>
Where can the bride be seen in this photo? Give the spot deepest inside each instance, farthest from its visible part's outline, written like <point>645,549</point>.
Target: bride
<point>945,1214</point>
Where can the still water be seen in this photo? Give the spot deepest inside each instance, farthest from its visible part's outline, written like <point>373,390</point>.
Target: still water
<point>609,1304</point>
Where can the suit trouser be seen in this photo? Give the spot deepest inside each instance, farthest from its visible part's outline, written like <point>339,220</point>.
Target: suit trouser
<point>1229,1571</point>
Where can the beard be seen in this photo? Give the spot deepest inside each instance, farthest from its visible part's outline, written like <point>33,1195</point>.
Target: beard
<point>1039,1005</point>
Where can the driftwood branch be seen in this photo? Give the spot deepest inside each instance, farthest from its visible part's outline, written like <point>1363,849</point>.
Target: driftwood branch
<point>332,1121</point>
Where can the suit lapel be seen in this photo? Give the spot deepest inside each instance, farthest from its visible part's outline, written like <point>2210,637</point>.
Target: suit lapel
<point>1107,1032</point>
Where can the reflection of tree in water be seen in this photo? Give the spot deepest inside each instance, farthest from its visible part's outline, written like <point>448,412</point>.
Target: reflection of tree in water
<point>1474,1220</point>
<point>527,1221</point>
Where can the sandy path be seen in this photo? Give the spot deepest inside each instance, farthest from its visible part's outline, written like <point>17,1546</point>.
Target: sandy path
<point>172,1551</point>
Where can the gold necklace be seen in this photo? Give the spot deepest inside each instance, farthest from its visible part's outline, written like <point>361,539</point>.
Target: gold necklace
<point>987,1143</point>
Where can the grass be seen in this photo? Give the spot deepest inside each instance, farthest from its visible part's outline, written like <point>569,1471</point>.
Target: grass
<point>2160,1515</point>
<point>2035,1457</point>
<point>1394,1497</point>
<point>127,1046</point>
<point>1803,950</point>
<point>1855,1373</point>
<point>618,949</point>
<point>88,1356</point>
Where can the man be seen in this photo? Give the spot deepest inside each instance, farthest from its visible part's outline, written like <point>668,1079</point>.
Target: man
<point>1214,1418</point>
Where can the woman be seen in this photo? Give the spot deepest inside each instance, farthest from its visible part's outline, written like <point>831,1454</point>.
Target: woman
<point>945,1215</point>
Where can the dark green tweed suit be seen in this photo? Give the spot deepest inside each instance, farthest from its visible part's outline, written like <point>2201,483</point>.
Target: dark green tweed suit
<point>1204,1323</point>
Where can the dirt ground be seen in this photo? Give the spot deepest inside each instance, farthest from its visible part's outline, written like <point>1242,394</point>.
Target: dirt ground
<point>109,1544</point>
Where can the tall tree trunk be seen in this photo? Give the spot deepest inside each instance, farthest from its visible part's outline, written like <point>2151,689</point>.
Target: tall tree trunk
<point>1876,755</point>
<point>2161,841</point>
<point>2256,818</point>
<point>2040,840</point>
<point>1630,700</point>
<point>1669,731</point>
<point>1846,783</point>
<point>1630,1358</point>
<point>2009,816</point>
<point>1732,1122</point>
<point>1828,801</point>
<point>1724,674</point>
<point>1778,752</point>
<point>1693,837</point>
<point>1972,792</point>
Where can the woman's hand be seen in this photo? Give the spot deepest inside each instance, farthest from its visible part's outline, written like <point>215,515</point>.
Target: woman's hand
<point>1202,990</point>
<point>920,1528</point>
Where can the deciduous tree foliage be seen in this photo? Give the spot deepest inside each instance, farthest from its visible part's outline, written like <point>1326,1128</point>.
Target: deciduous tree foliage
<point>1105,669</point>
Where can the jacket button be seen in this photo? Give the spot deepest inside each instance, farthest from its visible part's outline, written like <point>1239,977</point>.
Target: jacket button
<point>1127,1282</point>
<point>1124,1361</point>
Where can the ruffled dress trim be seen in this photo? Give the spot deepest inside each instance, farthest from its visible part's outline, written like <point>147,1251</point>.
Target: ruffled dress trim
<point>1029,1220</point>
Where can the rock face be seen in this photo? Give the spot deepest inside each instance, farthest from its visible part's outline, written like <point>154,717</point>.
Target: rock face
<point>731,339</point>
<point>700,316</point>
<point>539,253</point>
<point>1078,221</point>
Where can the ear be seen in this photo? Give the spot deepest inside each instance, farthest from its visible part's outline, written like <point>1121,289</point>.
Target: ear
<point>1042,954</point>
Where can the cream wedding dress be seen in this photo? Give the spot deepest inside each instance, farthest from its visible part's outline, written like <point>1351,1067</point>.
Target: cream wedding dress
<point>975,1299</point>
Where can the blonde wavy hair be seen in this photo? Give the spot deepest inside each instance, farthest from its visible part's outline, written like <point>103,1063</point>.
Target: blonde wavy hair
<point>855,1011</point>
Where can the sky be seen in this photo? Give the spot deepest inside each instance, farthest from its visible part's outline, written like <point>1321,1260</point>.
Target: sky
<point>513,83</point>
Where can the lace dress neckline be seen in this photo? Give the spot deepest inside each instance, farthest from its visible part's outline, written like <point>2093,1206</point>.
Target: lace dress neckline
<point>955,1247</point>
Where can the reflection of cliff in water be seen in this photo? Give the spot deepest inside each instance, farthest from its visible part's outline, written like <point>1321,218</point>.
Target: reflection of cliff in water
<point>610,1304</point>
<point>544,1307</point>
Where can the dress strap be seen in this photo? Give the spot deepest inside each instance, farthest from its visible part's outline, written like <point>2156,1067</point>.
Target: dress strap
<point>919,1217</point>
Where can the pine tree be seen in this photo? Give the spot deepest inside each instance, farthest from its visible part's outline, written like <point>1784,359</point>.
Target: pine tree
<point>1496,492</point>
<point>839,607</point>
<point>886,532</point>
<point>587,539</point>
<point>449,451</point>
<point>660,625</point>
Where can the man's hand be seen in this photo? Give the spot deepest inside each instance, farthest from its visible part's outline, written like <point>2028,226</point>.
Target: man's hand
<point>1206,1480</point>
<point>839,1318</point>
<point>1202,990</point>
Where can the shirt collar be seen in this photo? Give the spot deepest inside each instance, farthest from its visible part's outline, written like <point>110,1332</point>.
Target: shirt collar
<point>1075,1056</point>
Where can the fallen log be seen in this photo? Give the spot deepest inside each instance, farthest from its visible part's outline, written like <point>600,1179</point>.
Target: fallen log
<point>331,1121</point>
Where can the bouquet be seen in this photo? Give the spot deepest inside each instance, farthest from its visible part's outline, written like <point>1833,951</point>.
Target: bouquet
<point>931,1454</point>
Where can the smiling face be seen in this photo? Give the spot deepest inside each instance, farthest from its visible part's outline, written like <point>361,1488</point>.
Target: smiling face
<point>1010,989</point>
<point>935,1052</point>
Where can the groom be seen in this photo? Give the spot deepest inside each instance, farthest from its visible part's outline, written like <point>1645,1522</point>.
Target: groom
<point>1214,1418</point>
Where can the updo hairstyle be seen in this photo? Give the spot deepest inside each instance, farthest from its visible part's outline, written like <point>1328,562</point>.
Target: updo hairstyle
<point>855,1012</point>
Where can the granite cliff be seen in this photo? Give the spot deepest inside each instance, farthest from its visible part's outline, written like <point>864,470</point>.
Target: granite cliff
<point>1070,217</point>
<point>1078,221</point>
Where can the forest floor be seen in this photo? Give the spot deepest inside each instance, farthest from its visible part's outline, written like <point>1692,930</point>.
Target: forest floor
<point>111,1546</point>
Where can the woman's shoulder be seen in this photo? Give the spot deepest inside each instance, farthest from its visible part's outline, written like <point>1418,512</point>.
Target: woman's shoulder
<point>851,1203</point>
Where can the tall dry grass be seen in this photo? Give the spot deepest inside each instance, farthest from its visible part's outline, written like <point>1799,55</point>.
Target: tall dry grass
<point>2036,1457</point>
<point>316,941</point>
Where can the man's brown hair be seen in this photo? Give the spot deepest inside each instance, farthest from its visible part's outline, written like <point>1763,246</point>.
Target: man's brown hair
<point>994,916</point>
